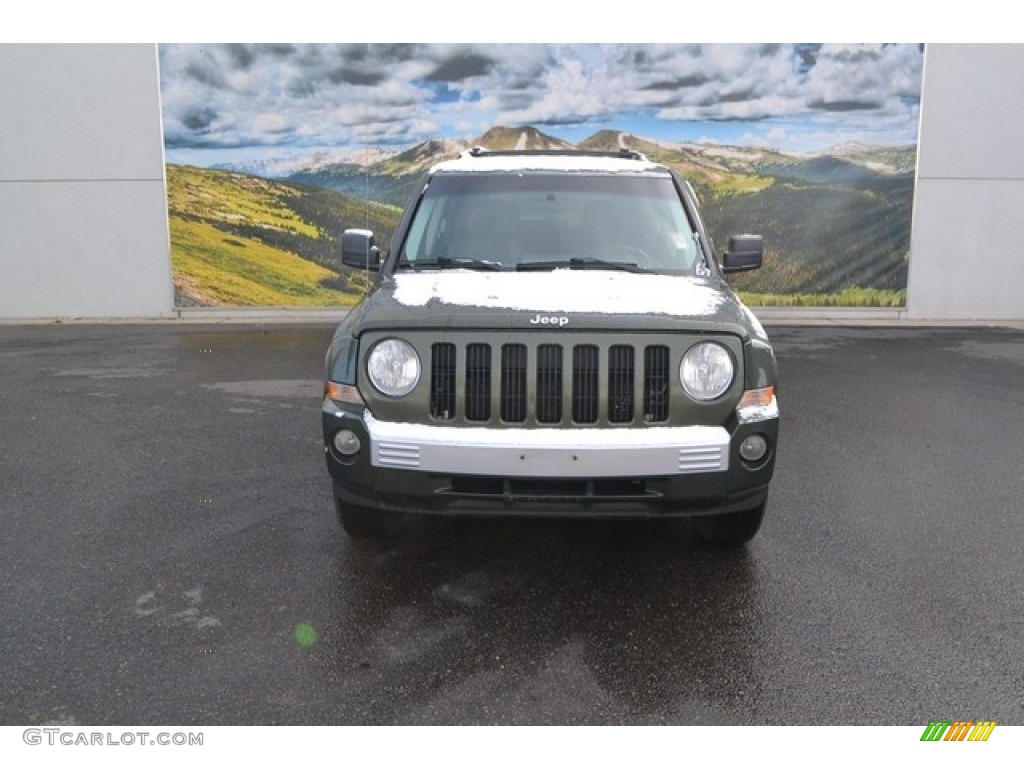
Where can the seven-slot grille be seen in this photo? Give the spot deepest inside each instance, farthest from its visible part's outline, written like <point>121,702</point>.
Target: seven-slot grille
<point>547,383</point>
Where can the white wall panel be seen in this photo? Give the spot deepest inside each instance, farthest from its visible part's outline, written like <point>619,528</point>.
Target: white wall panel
<point>83,212</point>
<point>79,112</point>
<point>968,250</point>
<point>84,249</point>
<point>967,253</point>
<point>972,108</point>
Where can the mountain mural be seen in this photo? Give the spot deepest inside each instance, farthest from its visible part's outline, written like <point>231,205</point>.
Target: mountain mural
<point>836,224</point>
<point>810,144</point>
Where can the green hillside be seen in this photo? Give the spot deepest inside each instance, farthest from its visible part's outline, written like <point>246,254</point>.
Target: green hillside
<point>240,240</point>
<point>836,226</point>
<point>821,238</point>
<point>213,268</point>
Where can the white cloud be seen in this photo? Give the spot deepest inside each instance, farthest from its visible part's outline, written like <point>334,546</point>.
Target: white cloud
<point>329,95</point>
<point>269,122</point>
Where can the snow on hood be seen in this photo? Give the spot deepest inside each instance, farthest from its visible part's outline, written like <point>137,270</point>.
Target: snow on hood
<point>562,290</point>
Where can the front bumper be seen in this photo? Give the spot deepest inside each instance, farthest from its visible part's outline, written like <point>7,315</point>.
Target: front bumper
<point>614,472</point>
<point>547,452</point>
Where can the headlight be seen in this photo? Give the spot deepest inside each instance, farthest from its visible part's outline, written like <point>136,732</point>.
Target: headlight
<point>706,371</point>
<point>393,367</point>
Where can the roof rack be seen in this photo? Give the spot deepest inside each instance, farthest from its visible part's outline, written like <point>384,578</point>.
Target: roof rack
<point>623,152</point>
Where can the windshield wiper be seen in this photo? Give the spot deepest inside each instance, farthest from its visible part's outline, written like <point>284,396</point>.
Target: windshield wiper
<point>578,262</point>
<point>457,262</point>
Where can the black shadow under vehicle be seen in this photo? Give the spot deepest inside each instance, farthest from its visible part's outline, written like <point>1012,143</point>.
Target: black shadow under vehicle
<point>549,334</point>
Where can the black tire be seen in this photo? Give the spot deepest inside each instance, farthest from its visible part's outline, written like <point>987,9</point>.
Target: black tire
<point>731,530</point>
<point>366,523</point>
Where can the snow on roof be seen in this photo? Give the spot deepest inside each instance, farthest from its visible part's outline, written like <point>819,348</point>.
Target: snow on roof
<point>572,162</point>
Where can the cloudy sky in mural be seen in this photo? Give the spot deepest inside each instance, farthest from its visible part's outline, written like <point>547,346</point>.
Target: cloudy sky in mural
<point>225,101</point>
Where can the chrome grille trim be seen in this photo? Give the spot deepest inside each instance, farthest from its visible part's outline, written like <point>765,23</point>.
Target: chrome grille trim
<point>396,454</point>
<point>702,458</point>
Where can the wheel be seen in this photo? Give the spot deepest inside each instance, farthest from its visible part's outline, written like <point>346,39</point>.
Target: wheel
<point>366,523</point>
<point>730,530</point>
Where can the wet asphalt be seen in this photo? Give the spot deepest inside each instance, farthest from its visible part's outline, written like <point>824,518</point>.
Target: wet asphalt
<point>170,555</point>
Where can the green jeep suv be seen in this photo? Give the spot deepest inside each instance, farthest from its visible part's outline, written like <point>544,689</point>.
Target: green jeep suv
<point>550,334</point>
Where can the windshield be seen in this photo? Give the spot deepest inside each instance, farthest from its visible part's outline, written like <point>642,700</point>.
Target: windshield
<point>539,221</point>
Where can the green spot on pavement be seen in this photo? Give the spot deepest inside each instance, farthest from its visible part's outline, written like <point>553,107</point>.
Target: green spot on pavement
<point>305,635</point>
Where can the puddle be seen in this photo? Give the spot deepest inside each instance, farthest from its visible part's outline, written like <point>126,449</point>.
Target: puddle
<point>271,389</point>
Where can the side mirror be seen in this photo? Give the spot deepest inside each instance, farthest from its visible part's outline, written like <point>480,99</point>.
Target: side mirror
<point>745,252</point>
<point>358,250</point>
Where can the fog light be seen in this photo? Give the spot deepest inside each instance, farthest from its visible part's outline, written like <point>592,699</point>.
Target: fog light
<point>347,443</point>
<point>753,448</point>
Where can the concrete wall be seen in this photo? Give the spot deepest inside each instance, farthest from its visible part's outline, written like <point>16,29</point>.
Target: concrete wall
<point>967,248</point>
<point>83,228</point>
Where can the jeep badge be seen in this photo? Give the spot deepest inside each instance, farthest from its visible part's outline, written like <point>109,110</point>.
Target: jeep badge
<point>558,320</point>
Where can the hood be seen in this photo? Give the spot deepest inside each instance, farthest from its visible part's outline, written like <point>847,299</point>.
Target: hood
<point>564,298</point>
